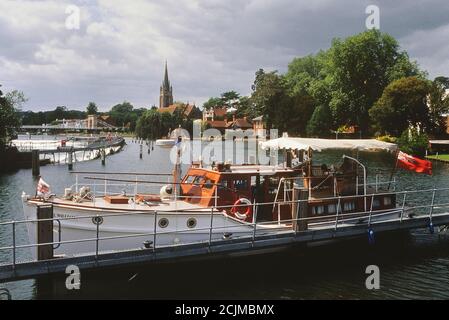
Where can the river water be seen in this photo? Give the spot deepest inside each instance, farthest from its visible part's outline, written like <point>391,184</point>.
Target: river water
<point>414,265</point>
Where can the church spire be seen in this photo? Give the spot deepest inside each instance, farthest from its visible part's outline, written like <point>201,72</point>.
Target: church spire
<point>166,82</point>
<point>166,93</point>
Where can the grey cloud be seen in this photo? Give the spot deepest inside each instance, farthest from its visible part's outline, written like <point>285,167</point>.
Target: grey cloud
<point>211,46</point>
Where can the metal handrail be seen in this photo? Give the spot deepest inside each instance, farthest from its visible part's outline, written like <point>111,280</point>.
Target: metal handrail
<point>343,218</point>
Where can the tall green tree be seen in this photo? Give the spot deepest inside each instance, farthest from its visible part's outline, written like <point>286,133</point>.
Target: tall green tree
<point>320,122</point>
<point>358,69</point>
<point>403,104</point>
<point>212,103</point>
<point>269,96</point>
<point>92,108</point>
<point>438,101</point>
<point>149,125</point>
<point>229,97</point>
<point>9,120</point>
<point>122,114</point>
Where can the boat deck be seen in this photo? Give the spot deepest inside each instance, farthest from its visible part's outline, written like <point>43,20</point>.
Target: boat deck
<point>100,204</point>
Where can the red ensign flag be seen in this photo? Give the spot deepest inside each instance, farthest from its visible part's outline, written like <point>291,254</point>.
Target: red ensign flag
<point>406,161</point>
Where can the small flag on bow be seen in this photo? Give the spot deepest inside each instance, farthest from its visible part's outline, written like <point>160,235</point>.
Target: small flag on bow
<point>42,187</point>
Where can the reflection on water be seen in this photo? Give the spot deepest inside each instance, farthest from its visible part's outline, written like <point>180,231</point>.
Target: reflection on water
<point>411,267</point>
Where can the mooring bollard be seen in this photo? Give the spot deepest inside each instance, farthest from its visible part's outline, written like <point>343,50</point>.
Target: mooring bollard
<point>70,160</point>
<point>103,156</point>
<point>44,232</point>
<point>35,163</point>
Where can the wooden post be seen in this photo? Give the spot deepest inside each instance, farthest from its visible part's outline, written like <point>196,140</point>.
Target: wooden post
<point>288,159</point>
<point>70,160</point>
<point>45,232</point>
<point>299,209</point>
<point>257,149</point>
<point>103,156</point>
<point>35,163</point>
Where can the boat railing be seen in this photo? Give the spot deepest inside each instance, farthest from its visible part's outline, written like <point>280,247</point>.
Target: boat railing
<point>249,229</point>
<point>128,187</point>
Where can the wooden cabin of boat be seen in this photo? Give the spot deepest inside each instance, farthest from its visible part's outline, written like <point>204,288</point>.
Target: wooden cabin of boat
<point>326,188</point>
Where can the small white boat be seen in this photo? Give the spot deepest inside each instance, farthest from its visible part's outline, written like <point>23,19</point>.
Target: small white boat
<point>165,142</point>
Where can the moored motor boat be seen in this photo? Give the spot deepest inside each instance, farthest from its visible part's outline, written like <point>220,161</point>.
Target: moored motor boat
<point>220,202</point>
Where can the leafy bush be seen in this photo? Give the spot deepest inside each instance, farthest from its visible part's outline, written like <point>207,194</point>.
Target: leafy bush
<point>413,142</point>
<point>387,138</point>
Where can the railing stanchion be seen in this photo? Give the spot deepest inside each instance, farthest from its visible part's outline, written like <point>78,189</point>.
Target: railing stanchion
<point>13,244</point>
<point>403,205</point>
<point>211,225</point>
<point>431,206</point>
<point>98,236</point>
<point>154,230</point>
<point>336,215</point>
<point>254,221</point>
<point>370,211</point>
<point>95,193</point>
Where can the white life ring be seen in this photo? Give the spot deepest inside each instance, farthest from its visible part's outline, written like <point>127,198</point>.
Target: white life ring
<point>237,205</point>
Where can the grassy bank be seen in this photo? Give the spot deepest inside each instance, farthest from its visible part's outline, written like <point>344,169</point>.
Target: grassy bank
<point>440,157</point>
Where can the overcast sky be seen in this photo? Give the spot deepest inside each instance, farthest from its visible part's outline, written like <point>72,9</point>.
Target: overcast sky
<point>211,46</point>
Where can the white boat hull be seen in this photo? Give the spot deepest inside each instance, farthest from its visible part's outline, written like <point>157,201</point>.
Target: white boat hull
<point>131,230</point>
<point>165,142</point>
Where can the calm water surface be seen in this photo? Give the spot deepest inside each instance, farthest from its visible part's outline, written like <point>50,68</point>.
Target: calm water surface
<point>412,266</point>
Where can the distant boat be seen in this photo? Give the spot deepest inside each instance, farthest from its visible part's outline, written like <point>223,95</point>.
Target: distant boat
<point>165,142</point>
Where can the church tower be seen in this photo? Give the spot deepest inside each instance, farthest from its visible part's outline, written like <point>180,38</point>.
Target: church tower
<point>166,95</point>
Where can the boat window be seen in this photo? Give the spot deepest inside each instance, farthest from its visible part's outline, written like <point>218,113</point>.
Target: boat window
<point>191,223</point>
<point>253,180</point>
<point>318,210</point>
<point>208,184</point>
<point>387,201</point>
<point>198,179</point>
<point>349,206</point>
<point>376,203</point>
<point>273,183</point>
<point>332,208</point>
<point>163,223</point>
<point>190,179</point>
<point>241,184</point>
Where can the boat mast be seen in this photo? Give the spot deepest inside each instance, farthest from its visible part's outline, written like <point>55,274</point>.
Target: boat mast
<point>177,170</point>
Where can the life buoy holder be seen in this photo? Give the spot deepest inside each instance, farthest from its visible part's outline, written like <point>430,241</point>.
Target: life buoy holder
<point>247,215</point>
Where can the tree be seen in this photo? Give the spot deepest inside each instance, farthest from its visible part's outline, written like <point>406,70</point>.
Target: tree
<point>413,142</point>
<point>122,113</point>
<point>269,95</point>
<point>8,120</point>
<point>149,125</point>
<point>402,104</point>
<point>212,103</point>
<point>229,98</point>
<point>320,122</point>
<point>303,72</point>
<point>358,70</point>
<point>438,101</point>
<point>92,108</point>
<point>16,98</point>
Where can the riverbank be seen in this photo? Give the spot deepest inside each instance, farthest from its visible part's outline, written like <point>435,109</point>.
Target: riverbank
<point>439,157</point>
